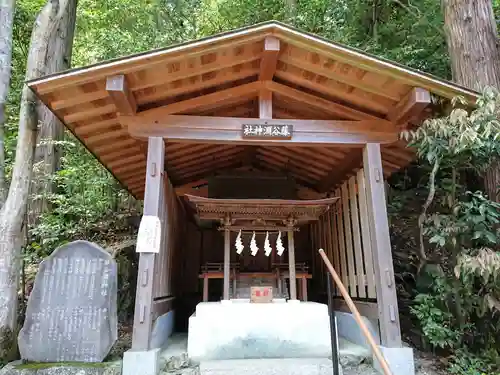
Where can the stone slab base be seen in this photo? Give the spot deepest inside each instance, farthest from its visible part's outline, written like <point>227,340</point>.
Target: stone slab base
<point>141,362</point>
<point>349,328</point>
<point>285,366</point>
<point>238,330</point>
<point>400,360</point>
<point>18,368</point>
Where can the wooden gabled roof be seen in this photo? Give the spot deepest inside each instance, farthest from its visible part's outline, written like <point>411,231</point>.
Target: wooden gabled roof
<point>307,77</point>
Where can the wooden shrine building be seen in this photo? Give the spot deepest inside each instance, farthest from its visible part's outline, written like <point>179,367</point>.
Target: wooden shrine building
<point>265,129</point>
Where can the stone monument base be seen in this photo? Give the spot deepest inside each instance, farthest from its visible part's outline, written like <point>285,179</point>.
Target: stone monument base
<point>242,330</point>
<point>400,360</point>
<point>141,362</point>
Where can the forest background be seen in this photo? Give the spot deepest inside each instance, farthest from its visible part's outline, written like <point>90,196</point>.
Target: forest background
<point>446,296</point>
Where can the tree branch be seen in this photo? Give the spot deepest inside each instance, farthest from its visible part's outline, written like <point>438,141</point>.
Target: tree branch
<point>423,216</point>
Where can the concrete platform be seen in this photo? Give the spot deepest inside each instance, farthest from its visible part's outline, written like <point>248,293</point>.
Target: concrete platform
<point>238,330</point>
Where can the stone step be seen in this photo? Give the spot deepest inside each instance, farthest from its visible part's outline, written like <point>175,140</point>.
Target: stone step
<point>271,366</point>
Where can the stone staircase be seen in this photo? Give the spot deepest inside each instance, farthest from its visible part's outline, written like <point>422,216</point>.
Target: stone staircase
<point>354,360</point>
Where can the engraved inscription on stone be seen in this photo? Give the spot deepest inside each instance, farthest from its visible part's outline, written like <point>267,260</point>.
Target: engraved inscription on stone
<point>71,313</point>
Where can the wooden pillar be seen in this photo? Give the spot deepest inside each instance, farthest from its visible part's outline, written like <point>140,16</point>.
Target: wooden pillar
<point>291,265</point>
<point>143,314</point>
<point>205,288</point>
<point>390,332</point>
<point>227,256</point>
<point>304,289</point>
<point>278,283</point>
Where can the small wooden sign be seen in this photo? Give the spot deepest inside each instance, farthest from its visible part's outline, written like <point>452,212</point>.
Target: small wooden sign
<point>261,294</point>
<point>265,131</point>
<point>149,236</point>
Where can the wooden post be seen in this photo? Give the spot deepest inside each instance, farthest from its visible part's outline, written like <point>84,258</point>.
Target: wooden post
<point>291,265</point>
<point>205,288</point>
<point>227,256</point>
<point>143,315</point>
<point>304,289</point>
<point>278,283</point>
<point>390,332</point>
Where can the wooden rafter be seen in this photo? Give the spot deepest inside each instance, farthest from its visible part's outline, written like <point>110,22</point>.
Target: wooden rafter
<point>411,106</point>
<point>338,174</point>
<point>176,88</point>
<point>335,75</point>
<point>269,58</point>
<point>120,94</point>
<point>326,86</point>
<point>228,165</point>
<point>203,102</point>
<point>96,126</point>
<point>321,167</point>
<point>288,163</point>
<point>315,101</point>
<point>228,130</point>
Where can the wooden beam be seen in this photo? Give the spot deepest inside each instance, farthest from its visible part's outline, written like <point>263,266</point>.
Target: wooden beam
<point>411,106</point>
<point>317,102</point>
<point>265,104</point>
<point>203,102</point>
<point>120,94</point>
<point>229,130</point>
<point>390,332</point>
<point>269,58</point>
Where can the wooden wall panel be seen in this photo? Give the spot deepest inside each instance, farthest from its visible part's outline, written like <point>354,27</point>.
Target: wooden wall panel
<point>344,234</point>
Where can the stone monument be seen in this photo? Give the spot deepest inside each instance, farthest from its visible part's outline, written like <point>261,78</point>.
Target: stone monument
<point>71,314</point>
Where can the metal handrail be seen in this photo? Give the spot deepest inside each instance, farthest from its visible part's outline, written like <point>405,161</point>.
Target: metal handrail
<point>357,316</point>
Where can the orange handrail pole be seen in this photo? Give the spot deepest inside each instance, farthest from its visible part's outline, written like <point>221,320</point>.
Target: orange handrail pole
<point>357,316</point>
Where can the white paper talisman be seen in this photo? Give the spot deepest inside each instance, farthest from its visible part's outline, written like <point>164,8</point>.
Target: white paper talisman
<point>149,236</point>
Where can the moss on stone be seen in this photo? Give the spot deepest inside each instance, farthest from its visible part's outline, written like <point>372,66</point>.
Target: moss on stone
<point>8,345</point>
<point>45,365</point>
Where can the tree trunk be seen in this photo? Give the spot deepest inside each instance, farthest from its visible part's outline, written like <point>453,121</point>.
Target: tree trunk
<point>6,22</point>
<point>471,34</point>
<point>13,211</point>
<point>48,152</point>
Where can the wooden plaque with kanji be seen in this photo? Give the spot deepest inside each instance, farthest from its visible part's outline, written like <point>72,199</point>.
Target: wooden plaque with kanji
<point>261,294</point>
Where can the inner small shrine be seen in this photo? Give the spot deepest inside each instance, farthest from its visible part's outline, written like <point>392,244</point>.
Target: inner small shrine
<point>262,228</point>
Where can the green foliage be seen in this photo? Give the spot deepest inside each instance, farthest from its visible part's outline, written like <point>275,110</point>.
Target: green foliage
<point>466,363</point>
<point>436,321</point>
<point>463,230</point>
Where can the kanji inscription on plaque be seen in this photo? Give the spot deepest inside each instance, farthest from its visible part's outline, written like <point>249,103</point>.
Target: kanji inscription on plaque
<point>281,131</point>
<point>261,294</point>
